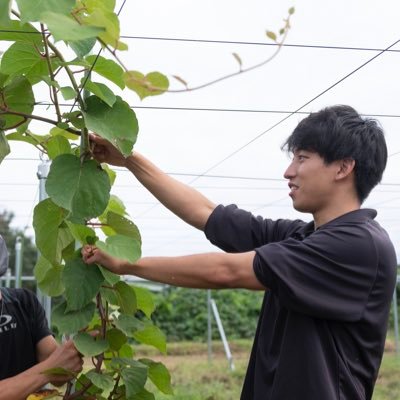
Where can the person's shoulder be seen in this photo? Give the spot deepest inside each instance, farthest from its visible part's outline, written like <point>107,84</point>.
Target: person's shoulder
<point>22,295</point>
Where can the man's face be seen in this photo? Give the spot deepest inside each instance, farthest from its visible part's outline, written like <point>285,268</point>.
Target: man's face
<point>311,181</point>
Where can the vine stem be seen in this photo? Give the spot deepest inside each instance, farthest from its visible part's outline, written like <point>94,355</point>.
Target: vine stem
<point>37,117</point>
<point>51,72</point>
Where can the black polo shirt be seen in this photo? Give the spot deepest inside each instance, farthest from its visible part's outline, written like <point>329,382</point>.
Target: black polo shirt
<point>322,325</point>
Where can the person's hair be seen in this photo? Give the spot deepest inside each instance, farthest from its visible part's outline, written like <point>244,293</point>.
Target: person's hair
<point>338,133</point>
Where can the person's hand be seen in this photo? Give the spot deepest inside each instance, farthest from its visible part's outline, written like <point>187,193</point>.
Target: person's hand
<point>105,151</point>
<point>66,356</point>
<point>93,255</point>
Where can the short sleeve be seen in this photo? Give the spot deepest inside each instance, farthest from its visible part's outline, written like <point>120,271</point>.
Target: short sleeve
<point>327,275</point>
<point>235,230</point>
<point>40,327</point>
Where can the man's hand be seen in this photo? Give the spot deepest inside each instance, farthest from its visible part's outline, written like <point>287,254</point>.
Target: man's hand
<point>93,255</point>
<point>105,151</point>
<point>66,356</point>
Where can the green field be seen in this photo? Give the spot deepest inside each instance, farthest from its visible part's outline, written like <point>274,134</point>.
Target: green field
<point>195,378</point>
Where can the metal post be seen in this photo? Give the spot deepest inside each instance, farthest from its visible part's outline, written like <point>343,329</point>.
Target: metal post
<point>8,278</point>
<point>222,334</point>
<point>42,173</point>
<point>18,261</point>
<point>209,332</point>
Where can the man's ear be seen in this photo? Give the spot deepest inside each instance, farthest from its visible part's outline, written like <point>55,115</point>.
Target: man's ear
<point>346,167</point>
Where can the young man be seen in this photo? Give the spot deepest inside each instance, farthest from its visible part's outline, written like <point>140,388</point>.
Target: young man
<point>27,347</point>
<point>328,283</point>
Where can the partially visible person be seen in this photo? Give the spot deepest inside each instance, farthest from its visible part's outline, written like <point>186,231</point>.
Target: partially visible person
<point>27,346</point>
<point>328,283</point>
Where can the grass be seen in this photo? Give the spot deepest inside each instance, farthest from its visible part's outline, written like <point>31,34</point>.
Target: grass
<point>195,378</point>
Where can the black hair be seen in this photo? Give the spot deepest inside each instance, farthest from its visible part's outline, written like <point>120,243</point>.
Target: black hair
<point>338,133</point>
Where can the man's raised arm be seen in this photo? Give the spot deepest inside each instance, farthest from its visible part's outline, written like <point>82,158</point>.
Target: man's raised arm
<point>184,201</point>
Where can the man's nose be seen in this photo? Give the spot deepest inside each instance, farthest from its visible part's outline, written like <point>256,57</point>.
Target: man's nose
<point>290,172</point>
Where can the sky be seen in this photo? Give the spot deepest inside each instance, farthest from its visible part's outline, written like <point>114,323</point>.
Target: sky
<point>225,139</point>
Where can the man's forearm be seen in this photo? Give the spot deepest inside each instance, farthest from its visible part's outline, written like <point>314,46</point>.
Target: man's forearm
<point>205,271</point>
<point>20,386</point>
<point>184,201</point>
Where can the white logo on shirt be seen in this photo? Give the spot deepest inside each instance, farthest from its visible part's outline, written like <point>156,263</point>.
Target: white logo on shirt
<point>6,323</point>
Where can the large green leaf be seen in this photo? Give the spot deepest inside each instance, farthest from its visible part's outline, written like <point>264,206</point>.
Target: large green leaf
<point>159,375</point>
<point>144,300</point>
<point>15,31</point>
<point>28,137</point>
<point>73,321</point>
<point>122,226</point>
<point>90,346</point>
<point>32,10</point>
<point>16,96</point>
<point>82,188</point>
<point>110,277</point>
<point>153,336</point>
<point>153,84</point>
<point>5,6</point>
<point>109,69</point>
<point>57,145</point>
<point>126,297</point>
<point>118,123</point>
<point>121,247</point>
<point>48,277</point>
<point>82,282</point>
<point>47,218</point>
<point>104,382</point>
<point>4,146</point>
<point>23,58</point>
<point>116,338</point>
<point>101,91</point>
<point>82,47</point>
<point>143,395</point>
<point>81,233</point>
<point>134,378</point>
<point>65,28</point>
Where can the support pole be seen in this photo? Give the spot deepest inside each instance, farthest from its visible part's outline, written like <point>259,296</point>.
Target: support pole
<point>396,318</point>
<point>42,173</point>
<point>209,332</point>
<point>18,261</point>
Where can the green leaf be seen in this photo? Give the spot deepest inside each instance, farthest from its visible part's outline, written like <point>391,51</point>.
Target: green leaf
<point>101,91</point>
<point>144,300</point>
<point>82,188</point>
<point>134,378</point>
<point>76,119</point>
<point>65,28</point>
<point>68,92</point>
<point>15,31</point>
<point>4,146</point>
<point>80,232</point>
<point>28,138</point>
<point>109,69</point>
<point>82,282</point>
<point>60,131</point>
<point>90,346</point>
<point>118,224</point>
<point>73,321</point>
<point>116,338</point>
<point>159,375</point>
<point>17,96</point>
<point>291,10</point>
<point>24,59</point>
<point>32,10</point>
<point>47,218</point>
<point>48,277</point>
<point>58,145</point>
<point>143,395</point>
<point>118,123</point>
<point>271,35</point>
<point>82,47</point>
<point>110,277</point>
<point>5,7</point>
<point>112,175</point>
<point>102,381</point>
<point>121,247</point>
<point>126,297</point>
<point>153,84</point>
<point>153,336</point>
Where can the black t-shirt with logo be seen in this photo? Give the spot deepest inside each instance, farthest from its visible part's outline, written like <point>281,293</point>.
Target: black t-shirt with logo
<point>323,321</point>
<point>22,325</point>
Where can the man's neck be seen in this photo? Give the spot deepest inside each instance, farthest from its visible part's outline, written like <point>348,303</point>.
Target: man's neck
<point>325,216</point>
